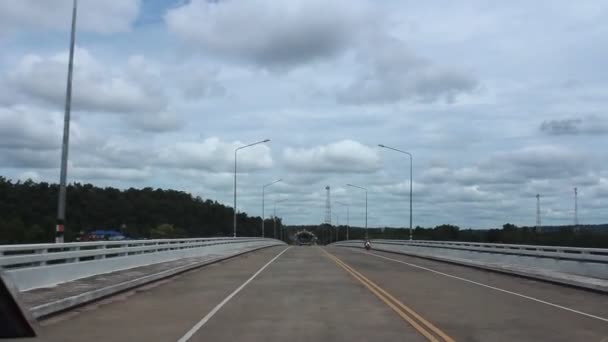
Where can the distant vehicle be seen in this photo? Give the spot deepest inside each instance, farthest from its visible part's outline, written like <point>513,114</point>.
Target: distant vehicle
<point>103,235</point>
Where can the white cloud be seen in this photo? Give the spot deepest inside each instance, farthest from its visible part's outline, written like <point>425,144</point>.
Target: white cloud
<point>30,127</point>
<point>163,121</point>
<point>96,87</point>
<point>391,72</point>
<point>342,156</point>
<point>93,15</point>
<point>30,137</point>
<point>451,86</point>
<point>538,162</point>
<point>590,125</point>
<point>24,158</point>
<point>198,83</point>
<point>214,155</point>
<point>133,89</point>
<point>108,173</point>
<point>271,33</point>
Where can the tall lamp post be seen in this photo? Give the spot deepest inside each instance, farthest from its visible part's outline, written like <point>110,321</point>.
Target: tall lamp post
<point>411,176</point>
<point>362,188</point>
<point>235,154</point>
<point>63,173</point>
<point>347,215</point>
<point>275,218</point>
<point>263,192</point>
<point>337,226</point>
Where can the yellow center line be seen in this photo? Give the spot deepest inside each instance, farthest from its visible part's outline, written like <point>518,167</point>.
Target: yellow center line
<point>401,309</point>
<point>404,316</point>
<point>404,307</point>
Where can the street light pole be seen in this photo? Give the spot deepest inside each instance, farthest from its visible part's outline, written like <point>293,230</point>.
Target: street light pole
<point>337,226</point>
<point>235,151</point>
<point>275,218</point>
<point>347,222</point>
<point>61,202</point>
<point>347,216</point>
<point>263,192</point>
<point>362,188</point>
<point>411,177</point>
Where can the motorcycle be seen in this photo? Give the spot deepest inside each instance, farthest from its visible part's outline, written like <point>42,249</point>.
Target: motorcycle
<point>368,245</point>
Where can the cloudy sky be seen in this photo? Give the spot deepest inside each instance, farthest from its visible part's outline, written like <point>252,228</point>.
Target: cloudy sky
<point>496,101</point>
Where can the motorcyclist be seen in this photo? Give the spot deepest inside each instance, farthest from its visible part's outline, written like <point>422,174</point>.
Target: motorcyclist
<point>368,245</point>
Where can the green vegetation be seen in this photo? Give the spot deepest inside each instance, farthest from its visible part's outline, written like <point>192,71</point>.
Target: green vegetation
<point>586,236</point>
<point>28,211</point>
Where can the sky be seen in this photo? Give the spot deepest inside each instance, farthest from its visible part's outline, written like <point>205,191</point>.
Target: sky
<point>497,102</point>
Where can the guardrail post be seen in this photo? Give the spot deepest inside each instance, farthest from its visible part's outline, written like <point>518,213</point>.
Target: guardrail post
<point>102,256</point>
<point>41,251</point>
<point>72,249</point>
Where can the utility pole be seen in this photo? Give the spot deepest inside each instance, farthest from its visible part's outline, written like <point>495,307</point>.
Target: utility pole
<point>63,174</point>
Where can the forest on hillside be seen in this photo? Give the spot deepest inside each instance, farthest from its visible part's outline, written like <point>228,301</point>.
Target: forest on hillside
<point>28,215</point>
<point>28,212</point>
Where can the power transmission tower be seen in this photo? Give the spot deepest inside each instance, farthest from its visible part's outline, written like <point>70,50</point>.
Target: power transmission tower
<point>575,208</point>
<point>328,205</point>
<point>538,223</point>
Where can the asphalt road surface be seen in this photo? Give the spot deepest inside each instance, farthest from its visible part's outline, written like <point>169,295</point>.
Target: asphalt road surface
<point>338,294</point>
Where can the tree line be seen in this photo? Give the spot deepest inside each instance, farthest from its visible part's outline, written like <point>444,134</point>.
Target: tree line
<point>28,213</point>
<point>595,236</point>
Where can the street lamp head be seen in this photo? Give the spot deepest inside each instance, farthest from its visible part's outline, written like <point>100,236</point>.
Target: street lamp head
<point>381,145</point>
<point>267,140</point>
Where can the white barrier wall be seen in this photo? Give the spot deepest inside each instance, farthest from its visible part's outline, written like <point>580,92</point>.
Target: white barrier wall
<point>583,267</point>
<point>43,265</point>
<point>556,252</point>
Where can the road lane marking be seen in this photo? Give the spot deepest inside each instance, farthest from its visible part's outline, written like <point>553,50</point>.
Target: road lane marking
<point>405,317</point>
<point>217,308</point>
<point>491,287</point>
<point>401,309</point>
<point>403,306</point>
<point>387,301</point>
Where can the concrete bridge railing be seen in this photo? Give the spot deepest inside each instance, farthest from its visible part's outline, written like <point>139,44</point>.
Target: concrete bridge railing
<point>41,265</point>
<point>556,252</point>
<point>581,267</point>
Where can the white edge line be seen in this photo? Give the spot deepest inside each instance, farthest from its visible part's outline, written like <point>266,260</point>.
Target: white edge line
<point>493,288</point>
<point>185,267</point>
<point>217,308</point>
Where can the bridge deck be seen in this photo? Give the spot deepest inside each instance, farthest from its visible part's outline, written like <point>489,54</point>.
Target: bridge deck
<point>307,295</point>
<point>45,295</point>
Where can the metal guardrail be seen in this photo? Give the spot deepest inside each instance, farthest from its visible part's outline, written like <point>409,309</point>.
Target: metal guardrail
<point>33,255</point>
<point>556,252</point>
<point>580,267</point>
<point>42,265</point>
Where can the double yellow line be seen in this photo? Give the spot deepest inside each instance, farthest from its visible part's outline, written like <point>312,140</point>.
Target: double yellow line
<point>424,327</point>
